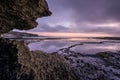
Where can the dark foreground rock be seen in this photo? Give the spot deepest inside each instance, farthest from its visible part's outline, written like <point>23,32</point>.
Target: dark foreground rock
<point>100,66</point>
<point>18,63</point>
<point>21,14</point>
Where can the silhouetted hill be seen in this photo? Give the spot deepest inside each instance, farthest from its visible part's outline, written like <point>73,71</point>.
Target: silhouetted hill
<point>14,34</point>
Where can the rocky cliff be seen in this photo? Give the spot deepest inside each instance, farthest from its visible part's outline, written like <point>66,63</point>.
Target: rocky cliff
<point>21,14</point>
<point>16,61</point>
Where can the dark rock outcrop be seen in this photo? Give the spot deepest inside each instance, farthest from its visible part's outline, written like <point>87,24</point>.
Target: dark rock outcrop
<point>18,63</point>
<point>21,14</point>
<point>99,66</point>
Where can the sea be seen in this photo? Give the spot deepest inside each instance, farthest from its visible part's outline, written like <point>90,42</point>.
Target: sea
<point>79,45</point>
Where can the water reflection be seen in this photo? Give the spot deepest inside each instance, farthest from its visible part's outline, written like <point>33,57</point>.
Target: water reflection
<point>95,48</point>
<point>88,48</point>
<point>48,45</point>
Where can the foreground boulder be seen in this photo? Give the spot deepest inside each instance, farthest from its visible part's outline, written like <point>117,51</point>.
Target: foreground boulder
<point>18,63</point>
<point>21,14</point>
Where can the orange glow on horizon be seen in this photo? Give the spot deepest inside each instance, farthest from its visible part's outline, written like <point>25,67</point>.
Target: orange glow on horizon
<point>63,34</point>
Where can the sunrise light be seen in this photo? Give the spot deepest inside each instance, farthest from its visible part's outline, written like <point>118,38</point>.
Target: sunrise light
<point>63,34</point>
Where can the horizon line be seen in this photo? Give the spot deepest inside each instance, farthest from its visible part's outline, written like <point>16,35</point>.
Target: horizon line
<point>72,34</point>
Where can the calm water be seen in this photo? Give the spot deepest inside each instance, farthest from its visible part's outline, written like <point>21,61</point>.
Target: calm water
<point>88,46</point>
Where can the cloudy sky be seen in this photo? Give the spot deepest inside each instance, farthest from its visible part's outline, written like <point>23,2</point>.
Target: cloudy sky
<point>100,17</point>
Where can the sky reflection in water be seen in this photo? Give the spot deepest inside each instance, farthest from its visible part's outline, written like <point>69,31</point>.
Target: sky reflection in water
<point>50,46</point>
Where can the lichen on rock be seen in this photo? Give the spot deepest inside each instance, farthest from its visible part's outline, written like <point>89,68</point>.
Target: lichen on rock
<point>18,63</point>
<point>21,14</point>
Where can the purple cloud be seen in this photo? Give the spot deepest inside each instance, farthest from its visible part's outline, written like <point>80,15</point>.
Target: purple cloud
<point>81,11</point>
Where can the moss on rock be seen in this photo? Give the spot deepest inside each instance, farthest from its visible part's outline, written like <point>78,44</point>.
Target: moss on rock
<point>21,14</point>
<point>18,63</point>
